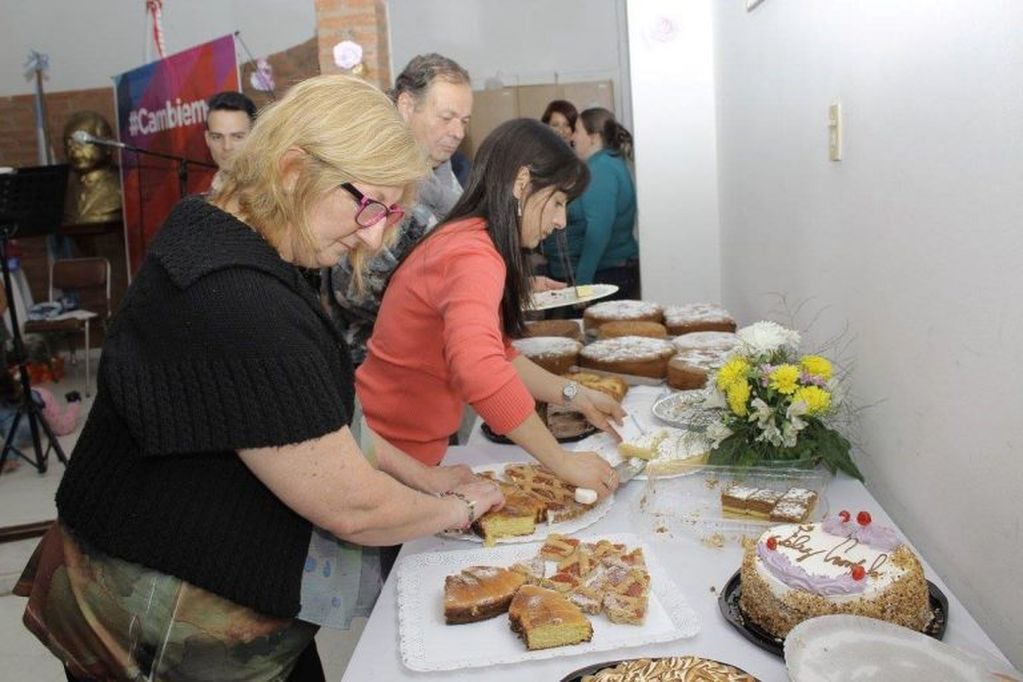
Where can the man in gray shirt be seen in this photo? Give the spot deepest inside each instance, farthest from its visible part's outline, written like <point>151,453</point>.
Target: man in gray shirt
<point>434,96</point>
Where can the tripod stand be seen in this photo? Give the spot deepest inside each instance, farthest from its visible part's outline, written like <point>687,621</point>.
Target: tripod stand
<point>31,203</point>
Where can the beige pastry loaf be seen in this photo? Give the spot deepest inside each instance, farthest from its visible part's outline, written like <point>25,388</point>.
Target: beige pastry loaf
<point>556,354</point>
<point>613,311</point>
<point>697,317</point>
<point>637,355</point>
<point>689,369</point>
<point>654,330</point>
<point>570,329</point>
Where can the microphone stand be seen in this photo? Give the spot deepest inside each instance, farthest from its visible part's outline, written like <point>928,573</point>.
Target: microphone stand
<point>183,161</point>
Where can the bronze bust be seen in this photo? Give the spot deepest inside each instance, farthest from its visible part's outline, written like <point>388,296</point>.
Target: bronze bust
<point>94,189</point>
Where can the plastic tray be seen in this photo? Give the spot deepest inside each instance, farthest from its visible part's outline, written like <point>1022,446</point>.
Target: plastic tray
<point>691,505</point>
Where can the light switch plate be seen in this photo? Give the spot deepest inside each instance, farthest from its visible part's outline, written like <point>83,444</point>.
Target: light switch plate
<point>835,132</point>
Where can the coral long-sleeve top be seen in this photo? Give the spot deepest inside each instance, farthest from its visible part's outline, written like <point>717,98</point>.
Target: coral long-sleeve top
<point>438,345</point>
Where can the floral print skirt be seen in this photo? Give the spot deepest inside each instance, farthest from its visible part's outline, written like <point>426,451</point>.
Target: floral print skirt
<point>108,619</point>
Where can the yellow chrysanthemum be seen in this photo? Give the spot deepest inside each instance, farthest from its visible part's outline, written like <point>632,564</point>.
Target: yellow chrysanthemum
<point>738,398</point>
<point>817,400</point>
<point>817,366</point>
<point>784,378</point>
<point>735,370</point>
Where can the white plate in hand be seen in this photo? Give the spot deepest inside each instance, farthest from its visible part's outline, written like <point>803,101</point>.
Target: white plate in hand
<point>557,298</point>
<point>845,648</point>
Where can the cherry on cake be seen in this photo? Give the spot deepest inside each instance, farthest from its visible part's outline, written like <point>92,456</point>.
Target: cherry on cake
<point>614,311</point>
<point>556,354</point>
<point>636,355</point>
<point>697,317</point>
<point>843,565</point>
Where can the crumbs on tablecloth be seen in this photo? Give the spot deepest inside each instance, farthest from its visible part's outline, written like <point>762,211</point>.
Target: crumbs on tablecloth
<point>716,540</point>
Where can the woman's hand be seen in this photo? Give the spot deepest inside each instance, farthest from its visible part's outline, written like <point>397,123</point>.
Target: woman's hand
<point>541,283</point>
<point>485,494</point>
<point>599,409</point>
<point>441,479</point>
<point>587,470</point>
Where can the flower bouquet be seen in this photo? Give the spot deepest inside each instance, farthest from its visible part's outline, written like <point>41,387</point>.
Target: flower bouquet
<point>775,406</point>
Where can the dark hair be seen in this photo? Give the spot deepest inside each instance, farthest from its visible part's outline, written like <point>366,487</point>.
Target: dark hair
<point>229,100</point>
<point>419,74</point>
<point>551,163</point>
<point>613,134</point>
<point>563,107</point>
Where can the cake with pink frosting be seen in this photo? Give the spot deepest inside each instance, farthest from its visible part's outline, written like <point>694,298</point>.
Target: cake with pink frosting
<point>844,564</point>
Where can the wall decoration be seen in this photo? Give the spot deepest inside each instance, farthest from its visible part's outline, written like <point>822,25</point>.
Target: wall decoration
<point>348,56</point>
<point>262,79</point>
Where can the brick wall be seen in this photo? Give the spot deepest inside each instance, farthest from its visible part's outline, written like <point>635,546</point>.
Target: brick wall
<point>365,22</point>
<point>18,148</point>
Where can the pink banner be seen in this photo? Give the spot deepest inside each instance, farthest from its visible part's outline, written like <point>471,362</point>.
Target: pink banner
<point>161,107</point>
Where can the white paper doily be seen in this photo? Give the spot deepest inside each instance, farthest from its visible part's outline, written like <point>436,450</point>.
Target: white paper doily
<point>543,530</point>
<point>428,644</point>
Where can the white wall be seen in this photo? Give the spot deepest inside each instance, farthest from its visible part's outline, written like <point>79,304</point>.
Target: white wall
<point>915,240</point>
<point>88,42</point>
<point>671,62</point>
<point>524,42</point>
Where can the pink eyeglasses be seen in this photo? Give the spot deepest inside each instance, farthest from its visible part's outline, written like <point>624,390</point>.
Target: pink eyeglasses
<point>372,211</point>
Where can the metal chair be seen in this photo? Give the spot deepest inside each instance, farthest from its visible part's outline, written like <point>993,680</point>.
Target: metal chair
<point>81,275</point>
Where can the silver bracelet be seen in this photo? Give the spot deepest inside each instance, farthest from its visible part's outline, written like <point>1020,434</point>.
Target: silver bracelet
<point>470,506</point>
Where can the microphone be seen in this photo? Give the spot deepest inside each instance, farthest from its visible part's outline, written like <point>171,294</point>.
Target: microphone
<point>82,137</point>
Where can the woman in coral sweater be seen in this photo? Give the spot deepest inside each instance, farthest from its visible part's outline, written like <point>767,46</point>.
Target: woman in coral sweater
<point>442,338</point>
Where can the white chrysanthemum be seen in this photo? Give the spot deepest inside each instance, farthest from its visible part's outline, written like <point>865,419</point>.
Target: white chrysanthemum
<point>765,337</point>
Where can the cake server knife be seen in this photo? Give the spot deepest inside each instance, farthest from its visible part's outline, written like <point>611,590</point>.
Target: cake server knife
<point>629,431</point>
<point>626,471</point>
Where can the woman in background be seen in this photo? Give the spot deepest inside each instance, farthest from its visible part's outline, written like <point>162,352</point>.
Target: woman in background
<point>601,246</point>
<point>443,336</point>
<point>561,115</point>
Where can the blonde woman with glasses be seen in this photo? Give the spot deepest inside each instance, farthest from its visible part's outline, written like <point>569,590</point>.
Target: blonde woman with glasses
<point>220,438</point>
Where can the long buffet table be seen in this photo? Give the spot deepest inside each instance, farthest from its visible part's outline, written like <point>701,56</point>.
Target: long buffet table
<point>699,571</point>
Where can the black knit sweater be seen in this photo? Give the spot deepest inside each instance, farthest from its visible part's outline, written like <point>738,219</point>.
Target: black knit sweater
<point>220,345</point>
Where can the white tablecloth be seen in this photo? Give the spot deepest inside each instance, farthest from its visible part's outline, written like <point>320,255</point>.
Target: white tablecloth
<point>698,570</point>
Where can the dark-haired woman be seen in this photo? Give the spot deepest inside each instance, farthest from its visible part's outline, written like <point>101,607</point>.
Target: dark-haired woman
<point>600,240</point>
<point>443,335</point>
<point>561,115</point>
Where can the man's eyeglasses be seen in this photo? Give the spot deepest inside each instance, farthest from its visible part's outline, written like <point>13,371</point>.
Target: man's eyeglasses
<point>372,211</point>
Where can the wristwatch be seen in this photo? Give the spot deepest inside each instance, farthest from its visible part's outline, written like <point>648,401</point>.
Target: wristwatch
<point>568,392</point>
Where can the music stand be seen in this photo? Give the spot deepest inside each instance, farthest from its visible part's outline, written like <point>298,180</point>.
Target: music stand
<point>31,204</point>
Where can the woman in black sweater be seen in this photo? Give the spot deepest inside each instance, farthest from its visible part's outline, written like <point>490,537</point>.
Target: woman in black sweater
<point>219,436</point>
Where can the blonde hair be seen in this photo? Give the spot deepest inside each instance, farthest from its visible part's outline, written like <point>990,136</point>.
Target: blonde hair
<point>349,131</point>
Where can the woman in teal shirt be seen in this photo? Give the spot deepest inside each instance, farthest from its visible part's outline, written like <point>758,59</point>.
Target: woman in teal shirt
<point>600,243</point>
